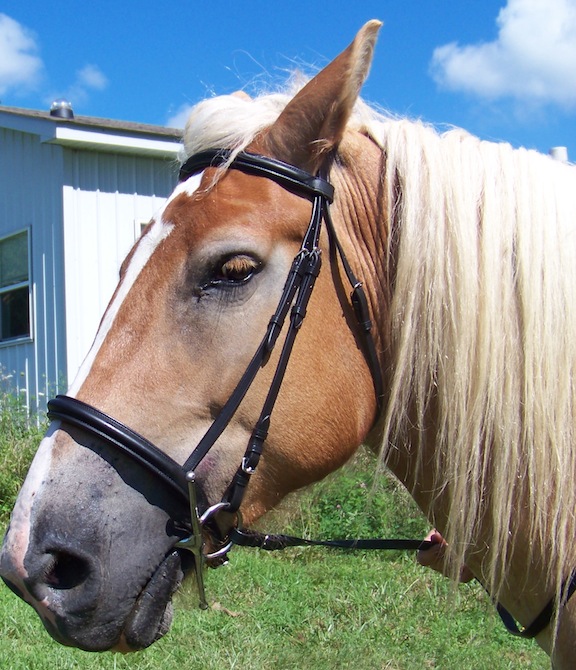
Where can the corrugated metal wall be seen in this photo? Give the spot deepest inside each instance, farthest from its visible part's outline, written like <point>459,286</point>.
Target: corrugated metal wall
<point>106,200</point>
<point>84,210</point>
<point>30,197</point>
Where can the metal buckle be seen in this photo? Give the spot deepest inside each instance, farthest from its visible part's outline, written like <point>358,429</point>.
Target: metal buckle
<point>246,468</point>
<point>226,548</point>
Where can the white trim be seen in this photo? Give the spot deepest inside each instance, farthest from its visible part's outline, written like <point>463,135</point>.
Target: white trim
<point>89,139</point>
<point>117,139</point>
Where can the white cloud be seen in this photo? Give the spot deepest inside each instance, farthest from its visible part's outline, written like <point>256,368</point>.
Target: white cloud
<point>180,116</point>
<point>532,60</point>
<point>90,76</point>
<point>87,79</point>
<point>20,66</point>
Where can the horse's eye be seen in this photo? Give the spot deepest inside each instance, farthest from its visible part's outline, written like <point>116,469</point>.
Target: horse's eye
<point>236,270</point>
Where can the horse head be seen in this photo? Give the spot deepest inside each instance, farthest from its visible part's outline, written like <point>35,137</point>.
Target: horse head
<point>91,544</point>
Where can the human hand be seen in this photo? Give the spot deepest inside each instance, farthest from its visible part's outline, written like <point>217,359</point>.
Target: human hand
<point>433,557</point>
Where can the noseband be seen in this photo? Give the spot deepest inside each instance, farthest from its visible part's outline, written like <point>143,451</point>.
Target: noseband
<point>180,479</point>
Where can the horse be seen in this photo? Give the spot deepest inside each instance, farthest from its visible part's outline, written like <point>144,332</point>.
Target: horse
<point>454,358</point>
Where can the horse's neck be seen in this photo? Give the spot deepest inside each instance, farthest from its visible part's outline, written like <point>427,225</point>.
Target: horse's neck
<point>526,590</point>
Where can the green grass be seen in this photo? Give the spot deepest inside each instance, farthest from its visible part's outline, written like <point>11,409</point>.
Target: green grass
<point>303,608</point>
<point>306,609</point>
<point>19,438</point>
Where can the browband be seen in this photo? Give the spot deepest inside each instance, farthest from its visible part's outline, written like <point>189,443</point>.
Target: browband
<point>288,176</point>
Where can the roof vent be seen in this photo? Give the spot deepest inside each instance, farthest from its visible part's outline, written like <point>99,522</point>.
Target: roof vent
<point>62,109</point>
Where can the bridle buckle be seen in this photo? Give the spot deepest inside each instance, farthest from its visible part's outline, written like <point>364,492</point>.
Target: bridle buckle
<point>246,467</point>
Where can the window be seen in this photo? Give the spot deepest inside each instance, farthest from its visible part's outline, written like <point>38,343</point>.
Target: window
<point>140,227</point>
<point>14,287</point>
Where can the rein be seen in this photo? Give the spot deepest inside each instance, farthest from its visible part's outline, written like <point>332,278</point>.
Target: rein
<point>180,479</point>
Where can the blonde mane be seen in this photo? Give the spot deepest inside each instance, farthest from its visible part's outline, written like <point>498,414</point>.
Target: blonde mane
<point>483,320</point>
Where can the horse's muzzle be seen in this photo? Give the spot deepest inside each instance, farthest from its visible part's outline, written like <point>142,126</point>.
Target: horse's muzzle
<point>65,586</point>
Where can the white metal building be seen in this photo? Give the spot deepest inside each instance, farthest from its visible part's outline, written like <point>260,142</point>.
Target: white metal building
<point>74,195</point>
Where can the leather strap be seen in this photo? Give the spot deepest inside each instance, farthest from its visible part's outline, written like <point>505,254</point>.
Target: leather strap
<point>310,270</point>
<point>288,176</point>
<point>289,292</point>
<point>250,538</point>
<point>543,620</point>
<point>361,312</point>
<point>94,422</point>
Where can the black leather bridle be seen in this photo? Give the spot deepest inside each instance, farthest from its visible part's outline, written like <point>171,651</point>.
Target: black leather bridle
<point>293,303</point>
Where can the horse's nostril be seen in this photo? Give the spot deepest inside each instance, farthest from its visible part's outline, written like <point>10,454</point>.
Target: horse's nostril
<point>65,571</point>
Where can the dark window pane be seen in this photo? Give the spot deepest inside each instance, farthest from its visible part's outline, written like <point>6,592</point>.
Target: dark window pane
<point>14,314</point>
<point>14,260</point>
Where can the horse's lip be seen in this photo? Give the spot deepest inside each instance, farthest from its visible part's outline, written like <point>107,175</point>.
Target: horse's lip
<point>151,616</point>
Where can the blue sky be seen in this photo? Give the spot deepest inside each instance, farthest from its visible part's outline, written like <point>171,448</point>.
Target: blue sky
<point>502,69</point>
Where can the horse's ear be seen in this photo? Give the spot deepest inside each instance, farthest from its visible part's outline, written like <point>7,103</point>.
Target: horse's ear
<point>242,95</point>
<point>313,122</point>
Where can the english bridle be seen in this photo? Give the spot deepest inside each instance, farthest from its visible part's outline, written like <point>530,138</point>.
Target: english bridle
<point>293,303</point>
<point>179,479</point>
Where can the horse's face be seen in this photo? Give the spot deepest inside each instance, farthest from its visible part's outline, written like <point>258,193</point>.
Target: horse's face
<point>91,539</point>
<point>176,345</point>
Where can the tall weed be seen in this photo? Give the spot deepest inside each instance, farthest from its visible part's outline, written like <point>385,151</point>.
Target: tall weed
<point>359,500</point>
<point>20,435</point>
